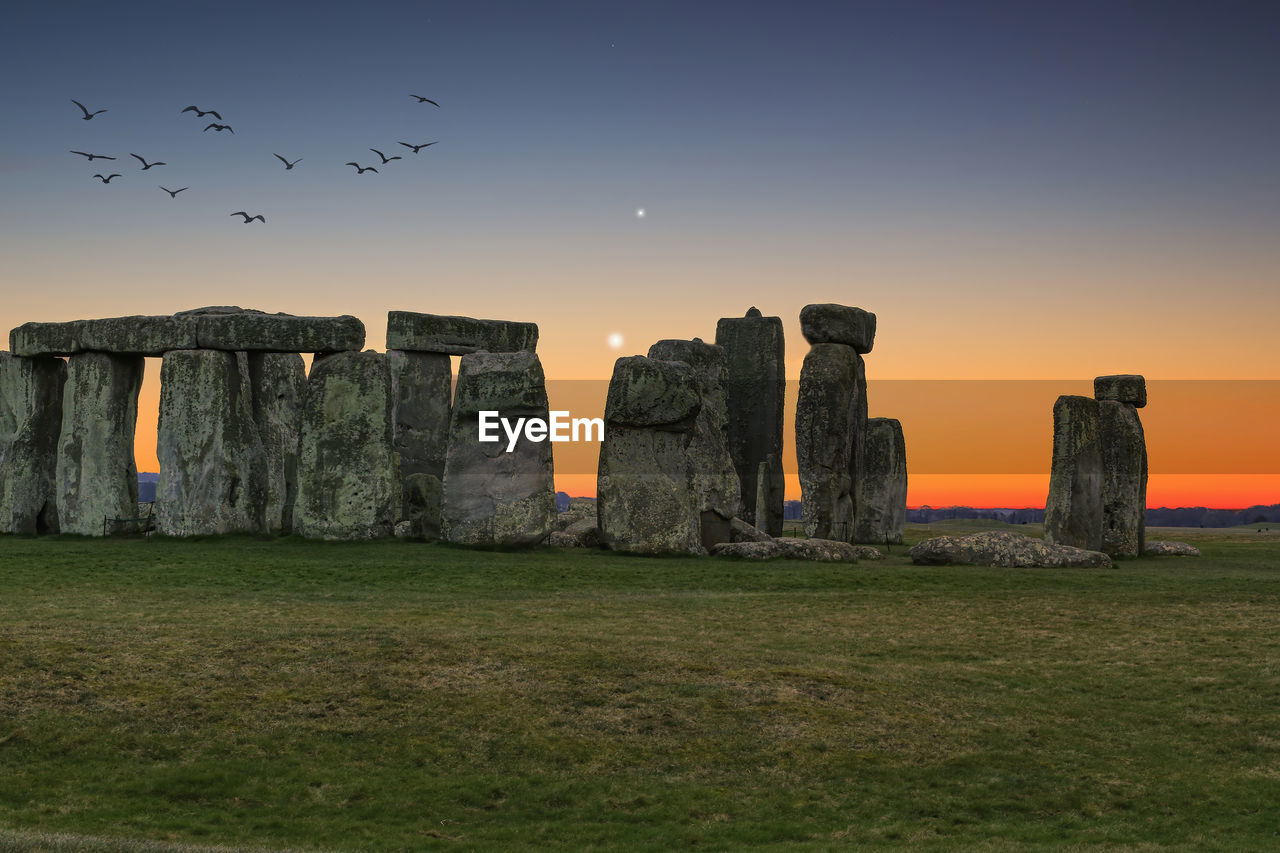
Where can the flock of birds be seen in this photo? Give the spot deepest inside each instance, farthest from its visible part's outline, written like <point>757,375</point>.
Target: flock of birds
<point>218,127</point>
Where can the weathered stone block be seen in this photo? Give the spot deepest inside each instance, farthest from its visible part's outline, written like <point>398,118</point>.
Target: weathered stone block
<point>755,392</point>
<point>450,335</point>
<point>423,495</point>
<point>137,335</point>
<point>30,421</point>
<point>1124,479</point>
<point>828,323</point>
<point>213,469</point>
<point>1005,549</point>
<point>253,331</point>
<point>96,475</point>
<point>830,410</point>
<point>493,496</point>
<point>421,384</point>
<point>1123,388</point>
<point>1073,510</point>
<point>771,486</point>
<point>278,382</point>
<point>881,505</point>
<point>348,474</point>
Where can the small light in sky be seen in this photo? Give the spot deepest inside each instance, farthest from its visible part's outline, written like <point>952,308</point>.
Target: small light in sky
<point>615,340</point>
<point>639,213</point>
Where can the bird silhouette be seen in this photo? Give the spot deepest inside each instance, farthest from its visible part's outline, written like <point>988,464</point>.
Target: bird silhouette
<point>202,113</point>
<point>87,115</point>
<point>423,100</point>
<point>417,148</point>
<point>248,218</point>
<point>174,193</point>
<point>93,157</point>
<point>218,127</point>
<point>145,164</point>
<point>385,158</point>
<point>360,170</point>
<point>287,164</point>
<point>108,178</point>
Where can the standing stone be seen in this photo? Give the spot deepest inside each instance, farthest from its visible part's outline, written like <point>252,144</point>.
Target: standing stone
<point>1073,510</point>
<point>97,477</point>
<point>1124,479</point>
<point>421,385</point>
<point>646,499</point>
<point>771,486</point>
<point>278,384</point>
<point>882,485</point>
<point>830,406</point>
<point>493,495</point>
<point>348,475</point>
<point>755,391</point>
<point>715,478</point>
<point>213,469</point>
<point>30,420</point>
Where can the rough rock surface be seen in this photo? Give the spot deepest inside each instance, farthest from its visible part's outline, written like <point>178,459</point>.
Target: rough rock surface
<point>818,550</point>
<point>491,496</point>
<point>768,550</point>
<point>421,383</point>
<point>96,477</point>
<point>829,409</point>
<point>348,476</point>
<point>278,385</point>
<point>771,486</point>
<point>582,533</point>
<point>838,324</point>
<point>1073,510</point>
<point>423,494</point>
<point>30,421</point>
<point>449,335</point>
<point>1006,549</point>
<point>881,505</point>
<point>1158,548</point>
<point>647,502</point>
<point>743,532</point>
<point>280,333</point>
<point>715,478</point>
<point>1124,479</point>
<point>213,469</point>
<point>755,395</point>
<point>1128,388</point>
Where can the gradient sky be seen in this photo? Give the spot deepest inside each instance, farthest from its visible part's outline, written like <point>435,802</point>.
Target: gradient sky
<point>1018,190</point>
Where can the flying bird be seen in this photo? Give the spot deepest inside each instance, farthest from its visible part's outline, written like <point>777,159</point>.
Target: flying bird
<point>218,127</point>
<point>416,148</point>
<point>108,178</point>
<point>174,193</point>
<point>423,100</point>
<point>248,218</point>
<point>287,164</point>
<point>145,164</point>
<point>202,113</point>
<point>385,158</point>
<point>360,170</point>
<point>93,157</point>
<point>87,115</point>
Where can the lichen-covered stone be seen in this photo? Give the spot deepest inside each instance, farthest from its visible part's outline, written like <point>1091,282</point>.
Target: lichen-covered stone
<point>348,474</point>
<point>96,477</point>
<point>646,499</point>
<point>492,496</point>
<point>1170,549</point>
<point>828,323</point>
<point>818,550</point>
<point>440,333</point>
<point>213,469</point>
<point>764,550</point>
<point>715,478</point>
<point>1129,388</point>
<point>755,393</point>
<point>423,494</point>
<point>421,383</point>
<point>771,486</point>
<point>278,383</point>
<point>881,505</point>
<point>1124,479</point>
<point>743,532</point>
<point>136,335</point>
<point>830,410</point>
<point>1073,510</point>
<point>1004,549</point>
<point>253,331</point>
<point>30,421</point>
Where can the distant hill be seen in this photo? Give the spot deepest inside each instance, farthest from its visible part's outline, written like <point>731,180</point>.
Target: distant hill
<point>147,486</point>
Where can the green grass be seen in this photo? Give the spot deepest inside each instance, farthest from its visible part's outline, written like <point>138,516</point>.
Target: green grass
<point>169,695</point>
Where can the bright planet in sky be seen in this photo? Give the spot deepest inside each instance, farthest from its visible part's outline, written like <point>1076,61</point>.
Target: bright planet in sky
<point>615,340</point>
<point>639,213</point>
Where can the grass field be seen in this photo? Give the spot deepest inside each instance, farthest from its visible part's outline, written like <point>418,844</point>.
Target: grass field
<point>172,695</point>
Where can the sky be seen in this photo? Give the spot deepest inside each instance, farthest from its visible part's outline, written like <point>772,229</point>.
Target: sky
<point>1043,191</point>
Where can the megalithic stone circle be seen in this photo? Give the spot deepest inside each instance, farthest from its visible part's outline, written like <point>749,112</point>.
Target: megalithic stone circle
<point>496,492</point>
<point>213,469</point>
<point>30,421</point>
<point>96,477</point>
<point>755,393</point>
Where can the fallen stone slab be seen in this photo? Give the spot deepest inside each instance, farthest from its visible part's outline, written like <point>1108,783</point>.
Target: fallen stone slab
<point>764,550</point>
<point>451,335</point>
<point>1004,549</point>
<point>740,531</point>
<point>1129,388</point>
<point>1160,548</point>
<point>785,547</point>
<point>30,421</point>
<point>828,323</point>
